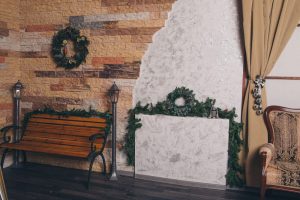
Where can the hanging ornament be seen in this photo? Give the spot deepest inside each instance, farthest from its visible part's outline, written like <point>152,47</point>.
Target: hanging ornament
<point>256,92</point>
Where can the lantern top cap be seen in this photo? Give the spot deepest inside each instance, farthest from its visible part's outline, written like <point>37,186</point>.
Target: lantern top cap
<point>18,85</point>
<point>114,87</point>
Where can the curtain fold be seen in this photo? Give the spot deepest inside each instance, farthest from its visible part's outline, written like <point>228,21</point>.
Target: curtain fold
<point>3,192</point>
<point>268,25</point>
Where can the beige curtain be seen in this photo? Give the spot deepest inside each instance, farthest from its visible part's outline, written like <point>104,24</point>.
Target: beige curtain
<point>268,25</point>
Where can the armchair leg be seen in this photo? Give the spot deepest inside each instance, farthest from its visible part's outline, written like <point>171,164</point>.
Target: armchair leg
<point>262,193</point>
<point>3,157</point>
<point>263,188</point>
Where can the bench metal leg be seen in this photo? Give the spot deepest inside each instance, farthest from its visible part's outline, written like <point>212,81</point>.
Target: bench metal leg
<point>90,170</point>
<point>3,157</point>
<point>24,156</point>
<point>104,164</point>
<point>92,158</point>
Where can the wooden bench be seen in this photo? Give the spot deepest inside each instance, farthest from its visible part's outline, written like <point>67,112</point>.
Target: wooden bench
<point>73,136</point>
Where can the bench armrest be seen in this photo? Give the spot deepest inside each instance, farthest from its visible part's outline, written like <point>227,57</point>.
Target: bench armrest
<point>266,154</point>
<point>4,131</point>
<point>96,136</point>
<point>93,139</point>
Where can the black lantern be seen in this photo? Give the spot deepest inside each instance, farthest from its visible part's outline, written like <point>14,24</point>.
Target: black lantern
<point>17,90</point>
<point>114,96</point>
<point>114,93</point>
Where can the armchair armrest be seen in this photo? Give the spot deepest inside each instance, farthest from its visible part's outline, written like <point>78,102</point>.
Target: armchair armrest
<point>4,131</point>
<point>266,154</point>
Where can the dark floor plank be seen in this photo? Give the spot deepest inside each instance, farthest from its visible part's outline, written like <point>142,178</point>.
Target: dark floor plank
<point>43,182</point>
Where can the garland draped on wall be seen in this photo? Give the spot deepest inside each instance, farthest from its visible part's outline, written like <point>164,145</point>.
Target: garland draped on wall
<point>191,107</point>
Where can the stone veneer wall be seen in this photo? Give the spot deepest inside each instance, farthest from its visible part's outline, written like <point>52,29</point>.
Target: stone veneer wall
<point>119,32</point>
<point>9,55</point>
<point>10,21</point>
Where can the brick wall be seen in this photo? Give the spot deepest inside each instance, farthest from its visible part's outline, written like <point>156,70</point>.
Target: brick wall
<point>119,32</point>
<point>9,55</point>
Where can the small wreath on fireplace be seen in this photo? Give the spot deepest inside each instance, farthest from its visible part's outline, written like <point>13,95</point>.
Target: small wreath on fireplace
<point>181,101</point>
<point>61,54</point>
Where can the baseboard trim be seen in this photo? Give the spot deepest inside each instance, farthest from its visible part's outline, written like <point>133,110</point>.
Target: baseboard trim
<point>249,189</point>
<point>180,182</point>
<point>126,173</point>
<point>187,183</point>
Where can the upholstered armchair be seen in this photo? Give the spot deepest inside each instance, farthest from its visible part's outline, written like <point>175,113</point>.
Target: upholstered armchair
<point>280,157</point>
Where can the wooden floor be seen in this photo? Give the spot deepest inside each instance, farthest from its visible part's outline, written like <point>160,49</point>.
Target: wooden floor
<point>42,182</point>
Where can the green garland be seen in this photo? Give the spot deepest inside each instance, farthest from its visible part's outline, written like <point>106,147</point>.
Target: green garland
<point>191,108</point>
<point>61,39</point>
<point>65,113</point>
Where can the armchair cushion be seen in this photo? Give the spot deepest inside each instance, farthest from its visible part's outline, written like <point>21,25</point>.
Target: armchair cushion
<point>283,174</point>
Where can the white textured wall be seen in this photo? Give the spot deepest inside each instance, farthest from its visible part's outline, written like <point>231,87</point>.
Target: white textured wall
<point>286,92</point>
<point>199,48</point>
<point>289,60</point>
<point>183,148</point>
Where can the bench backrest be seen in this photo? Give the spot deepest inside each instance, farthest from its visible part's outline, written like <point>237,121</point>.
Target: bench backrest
<point>68,130</point>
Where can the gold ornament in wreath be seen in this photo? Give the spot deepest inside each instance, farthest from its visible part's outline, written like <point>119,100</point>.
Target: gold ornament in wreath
<point>69,48</point>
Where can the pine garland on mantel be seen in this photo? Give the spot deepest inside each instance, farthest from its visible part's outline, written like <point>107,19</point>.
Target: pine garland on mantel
<point>192,107</point>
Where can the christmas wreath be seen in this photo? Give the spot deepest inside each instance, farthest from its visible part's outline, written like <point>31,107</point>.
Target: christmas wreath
<point>60,50</point>
<point>188,103</point>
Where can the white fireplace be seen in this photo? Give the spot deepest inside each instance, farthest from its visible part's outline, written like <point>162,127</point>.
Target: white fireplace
<point>182,148</point>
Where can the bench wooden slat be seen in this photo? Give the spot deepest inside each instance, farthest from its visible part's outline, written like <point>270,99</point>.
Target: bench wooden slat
<point>62,131</point>
<point>61,141</point>
<point>66,122</point>
<point>53,127</point>
<point>72,133</point>
<point>64,127</point>
<point>72,118</point>
<point>58,136</point>
<point>61,146</point>
<point>58,150</point>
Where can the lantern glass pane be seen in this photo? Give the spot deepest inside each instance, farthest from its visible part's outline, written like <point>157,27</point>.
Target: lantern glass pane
<point>117,95</point>
<point>17,93</point>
